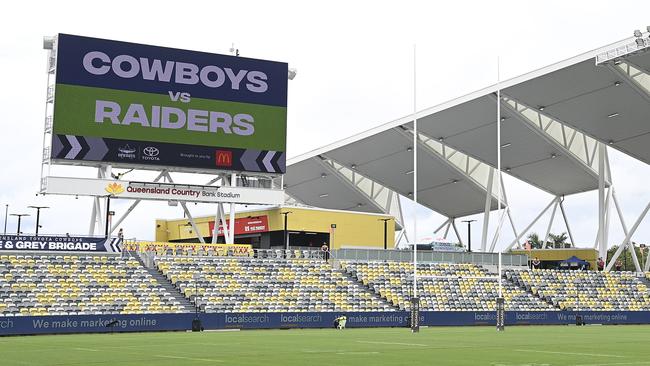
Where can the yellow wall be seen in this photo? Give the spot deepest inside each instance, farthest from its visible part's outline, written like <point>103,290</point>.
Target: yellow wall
<point>589,255</point>
<point>352,229</point>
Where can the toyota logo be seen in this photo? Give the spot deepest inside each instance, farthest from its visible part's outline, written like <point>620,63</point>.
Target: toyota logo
<point>151,151</point>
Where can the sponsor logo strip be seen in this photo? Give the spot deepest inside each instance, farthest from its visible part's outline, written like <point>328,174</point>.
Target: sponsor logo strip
<point>166,154</point>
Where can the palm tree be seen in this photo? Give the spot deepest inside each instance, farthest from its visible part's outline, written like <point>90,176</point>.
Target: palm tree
<point>535,242</point>
<point>558,240</point>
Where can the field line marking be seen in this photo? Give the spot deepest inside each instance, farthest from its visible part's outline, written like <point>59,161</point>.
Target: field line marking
<point>568,353</point>
<point>395,343</point>
<point>189,358</point>
<point>86,349</point>
<point>357,353</point>
<point>614,364</point>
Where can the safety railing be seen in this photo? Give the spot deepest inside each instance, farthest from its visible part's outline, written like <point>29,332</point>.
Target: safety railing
<point>430,256</point>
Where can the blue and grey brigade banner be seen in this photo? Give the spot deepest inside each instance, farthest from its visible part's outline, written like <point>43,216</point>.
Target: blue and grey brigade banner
<point>30,243</point>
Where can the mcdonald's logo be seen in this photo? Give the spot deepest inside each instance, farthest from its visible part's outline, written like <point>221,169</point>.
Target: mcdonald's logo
<point>223,158</point>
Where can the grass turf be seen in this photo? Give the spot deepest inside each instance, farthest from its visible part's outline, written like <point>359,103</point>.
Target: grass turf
<point>523,345</point>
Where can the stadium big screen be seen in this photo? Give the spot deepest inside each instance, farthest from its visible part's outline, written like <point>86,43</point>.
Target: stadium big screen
<point>131,104</point>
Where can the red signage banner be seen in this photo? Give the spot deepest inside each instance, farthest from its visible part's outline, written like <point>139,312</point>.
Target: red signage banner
<point>246,225</point>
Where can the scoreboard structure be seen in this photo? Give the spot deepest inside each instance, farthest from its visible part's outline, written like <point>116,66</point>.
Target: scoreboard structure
<point>120,105</point>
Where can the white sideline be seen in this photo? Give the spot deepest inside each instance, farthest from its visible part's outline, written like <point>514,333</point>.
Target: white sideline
<point>568,353</point>
<point>614,364</point>
<point>188,358</point>
<point>395,343</point>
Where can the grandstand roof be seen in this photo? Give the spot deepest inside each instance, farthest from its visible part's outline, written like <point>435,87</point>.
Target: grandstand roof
<point>544,114</point>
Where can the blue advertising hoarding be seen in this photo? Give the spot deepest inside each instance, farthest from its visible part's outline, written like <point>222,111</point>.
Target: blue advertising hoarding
<point>170,322</point>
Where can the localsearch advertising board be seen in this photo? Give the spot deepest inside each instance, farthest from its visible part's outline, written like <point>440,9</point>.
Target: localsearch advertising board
<point>162,191</point>
<point>134,104</point>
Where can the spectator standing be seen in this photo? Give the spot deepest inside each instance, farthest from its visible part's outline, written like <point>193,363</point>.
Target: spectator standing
<point>536,263</point>
<point>618,265</point>
<point>601,264</point>
<point>326,252</point>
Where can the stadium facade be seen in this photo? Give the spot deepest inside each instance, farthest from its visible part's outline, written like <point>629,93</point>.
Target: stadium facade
<point>307,228</point>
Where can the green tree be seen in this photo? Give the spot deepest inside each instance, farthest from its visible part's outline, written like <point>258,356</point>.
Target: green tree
<point>626,257</point>
<point>558,240</point>
<point>534,240</point>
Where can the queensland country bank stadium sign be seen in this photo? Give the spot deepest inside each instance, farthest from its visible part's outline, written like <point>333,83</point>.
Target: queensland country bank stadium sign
<point>133,105</point>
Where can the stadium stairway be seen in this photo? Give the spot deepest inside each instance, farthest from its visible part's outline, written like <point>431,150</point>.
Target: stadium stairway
<point>646,281</point>
<point>365,288</point>
<point>509,279</point>
<point>167,285</point>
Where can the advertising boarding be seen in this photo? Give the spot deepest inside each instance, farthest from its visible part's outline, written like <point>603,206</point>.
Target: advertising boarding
<point>46,243</point>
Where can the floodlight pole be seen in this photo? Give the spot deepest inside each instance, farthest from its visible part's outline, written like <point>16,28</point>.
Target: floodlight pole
<point>469,234</point>
<point>286,233</point>
<point>20,216</point>
<point>38,216</point>
<point>6,216</point>
<point>385,232</point>
<point>108,216</point>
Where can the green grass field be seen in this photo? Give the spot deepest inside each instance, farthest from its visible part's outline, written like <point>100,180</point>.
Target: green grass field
<point>541,345</point>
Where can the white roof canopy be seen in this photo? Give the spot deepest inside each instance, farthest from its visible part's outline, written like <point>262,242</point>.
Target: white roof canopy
<point>552,119</point>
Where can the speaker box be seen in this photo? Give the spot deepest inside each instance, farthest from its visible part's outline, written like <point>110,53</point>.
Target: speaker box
<point>196,325</point>
<point>579,320</point>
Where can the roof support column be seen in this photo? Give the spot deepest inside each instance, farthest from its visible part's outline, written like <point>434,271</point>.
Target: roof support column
<point>486,212</point>
<point>602,231</point>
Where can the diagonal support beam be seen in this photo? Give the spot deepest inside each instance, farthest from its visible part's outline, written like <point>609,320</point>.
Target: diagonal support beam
<point>496,233</point>
<point>396,211</point>
<point>521,234</point>
<point>447,230</point>
<point>532,125</point>
<point>133,206</point>
<point>443,225</point>
<point>486,212</point>
<point>550,223</point>
<point>628,237</point>
<point>566,223</point>
<point>460,240</point>
<point>408,134</point>
<point>622,72</point>
<point>629,243</point>
<point>187,213</point>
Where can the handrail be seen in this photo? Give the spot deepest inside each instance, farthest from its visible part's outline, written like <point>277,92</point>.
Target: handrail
<point>365,255</point>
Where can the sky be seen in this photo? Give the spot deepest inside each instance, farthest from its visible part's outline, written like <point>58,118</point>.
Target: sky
<point>355,65</point>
